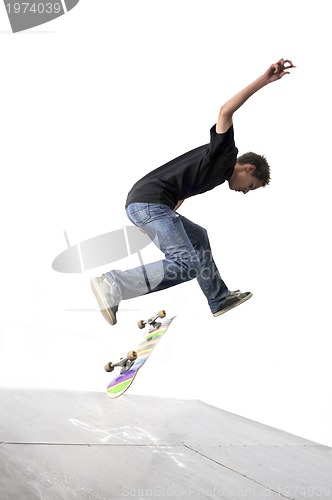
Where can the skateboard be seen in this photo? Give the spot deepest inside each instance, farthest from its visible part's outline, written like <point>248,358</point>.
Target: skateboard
<point>133,362</point>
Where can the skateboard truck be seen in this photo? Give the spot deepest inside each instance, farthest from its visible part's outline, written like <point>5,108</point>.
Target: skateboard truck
<point>125,363</point>
<point>152,321</point>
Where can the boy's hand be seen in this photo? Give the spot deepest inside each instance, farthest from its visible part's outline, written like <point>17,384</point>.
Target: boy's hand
<point>278,70</point>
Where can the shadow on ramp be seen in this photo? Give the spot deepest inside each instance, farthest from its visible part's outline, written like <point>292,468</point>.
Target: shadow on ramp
<point>76,445</point>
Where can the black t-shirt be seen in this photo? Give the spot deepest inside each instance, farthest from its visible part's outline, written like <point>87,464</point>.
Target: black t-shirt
<point>192,173</point>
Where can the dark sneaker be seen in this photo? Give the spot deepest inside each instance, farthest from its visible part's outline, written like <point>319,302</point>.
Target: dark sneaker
<point>107,297</point>
<point>233,299</point>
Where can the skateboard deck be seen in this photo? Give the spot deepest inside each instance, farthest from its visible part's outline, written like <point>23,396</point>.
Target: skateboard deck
<point>133,362</point>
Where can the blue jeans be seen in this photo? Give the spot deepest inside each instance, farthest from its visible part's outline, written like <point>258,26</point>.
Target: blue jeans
<point>187,256</point>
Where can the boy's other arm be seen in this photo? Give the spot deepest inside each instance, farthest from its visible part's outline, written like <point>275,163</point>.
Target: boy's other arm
<point>178,205</point>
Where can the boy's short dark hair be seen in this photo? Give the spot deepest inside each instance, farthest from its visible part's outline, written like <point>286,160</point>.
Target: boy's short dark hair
<point>262,170</point>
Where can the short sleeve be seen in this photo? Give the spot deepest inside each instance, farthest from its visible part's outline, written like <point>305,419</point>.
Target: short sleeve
<point>221,143</point>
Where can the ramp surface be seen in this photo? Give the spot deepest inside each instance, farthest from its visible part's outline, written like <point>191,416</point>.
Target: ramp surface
<point>74,445</point>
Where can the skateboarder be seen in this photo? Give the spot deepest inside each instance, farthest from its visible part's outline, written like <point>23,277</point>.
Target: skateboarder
<point>152,205</point>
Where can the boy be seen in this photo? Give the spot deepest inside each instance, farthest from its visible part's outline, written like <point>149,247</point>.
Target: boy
<point>152,203</point>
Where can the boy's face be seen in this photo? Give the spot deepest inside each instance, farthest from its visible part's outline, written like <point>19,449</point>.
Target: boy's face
<point>242,179</point>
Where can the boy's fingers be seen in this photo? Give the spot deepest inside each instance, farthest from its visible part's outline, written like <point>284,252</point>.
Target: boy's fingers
<point>288,64</point>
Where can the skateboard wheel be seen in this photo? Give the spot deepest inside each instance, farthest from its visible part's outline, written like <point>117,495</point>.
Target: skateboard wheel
<point>132,355</point>
<point>141,324</point>
<point>162,313</point>
<point>109,367</point>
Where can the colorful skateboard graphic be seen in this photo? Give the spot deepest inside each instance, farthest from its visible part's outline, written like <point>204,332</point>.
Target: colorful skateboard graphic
<point>136,359</point>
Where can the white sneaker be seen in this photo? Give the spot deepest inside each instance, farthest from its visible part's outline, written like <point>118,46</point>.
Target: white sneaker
<point>107,297</point>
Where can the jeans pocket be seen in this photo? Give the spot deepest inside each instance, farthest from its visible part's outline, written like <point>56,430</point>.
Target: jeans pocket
<point>138,213</point>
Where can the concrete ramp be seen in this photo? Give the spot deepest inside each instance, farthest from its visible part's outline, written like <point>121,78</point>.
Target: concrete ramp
<point>58,445</point>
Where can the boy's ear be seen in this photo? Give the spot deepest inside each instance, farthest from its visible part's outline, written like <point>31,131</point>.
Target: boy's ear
<point>250,168</point>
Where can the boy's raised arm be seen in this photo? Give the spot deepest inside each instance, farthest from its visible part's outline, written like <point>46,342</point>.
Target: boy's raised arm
<point>273,73</point>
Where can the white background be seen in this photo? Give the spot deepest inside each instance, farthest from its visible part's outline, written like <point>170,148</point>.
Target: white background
<point>94,100</point>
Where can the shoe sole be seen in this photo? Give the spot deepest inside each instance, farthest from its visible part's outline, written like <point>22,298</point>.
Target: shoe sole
<point>222,311</point>
<point>103,306</point>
